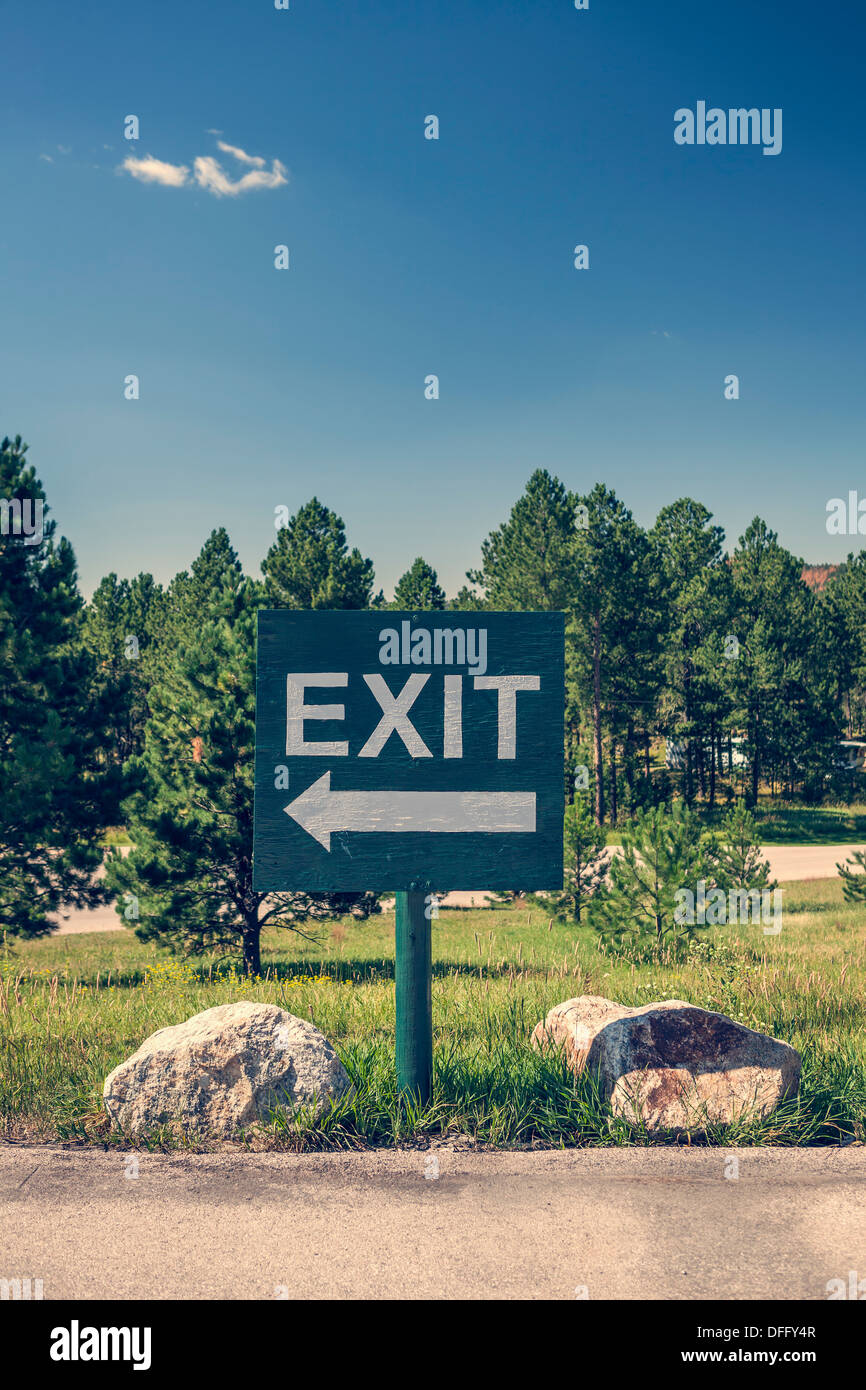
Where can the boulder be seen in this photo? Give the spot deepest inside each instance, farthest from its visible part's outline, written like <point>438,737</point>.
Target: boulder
<point>224,1069</point>
<point>672,1065</point>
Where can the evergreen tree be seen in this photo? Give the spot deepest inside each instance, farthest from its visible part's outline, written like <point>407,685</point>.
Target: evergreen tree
<point>692,574</point>
<point>188,880</point>
<point>192,593</point>
<point>310,565</point>
<point>419,588</point>
<point>466,601</point>
<point>841,638</point>
<point>613,633</point>
<point>528,562</point>
<point>854,878</point>
<point>738,862</point>
<point>782,700</point>
<point>711,592</point>
<point>58,793</point>
<point>661,855</point>
<point>215,566</point>
<point>586,861</point>
<point>122,627</point>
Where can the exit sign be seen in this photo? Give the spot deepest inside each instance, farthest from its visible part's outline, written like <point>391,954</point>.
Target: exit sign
<point>401,750</point>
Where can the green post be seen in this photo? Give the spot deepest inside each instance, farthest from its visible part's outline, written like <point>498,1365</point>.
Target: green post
<point>413,973</point>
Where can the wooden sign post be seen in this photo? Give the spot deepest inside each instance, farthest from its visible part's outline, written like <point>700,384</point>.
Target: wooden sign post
<point>413,970</point>
<point>416,752</point>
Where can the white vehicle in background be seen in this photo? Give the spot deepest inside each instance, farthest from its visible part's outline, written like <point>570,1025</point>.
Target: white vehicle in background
<point>851,756</point>
<point>675,754</point>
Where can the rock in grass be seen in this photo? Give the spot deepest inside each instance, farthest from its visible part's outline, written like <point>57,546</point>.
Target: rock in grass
<point>672,1065</point>
<point>223,1070</point>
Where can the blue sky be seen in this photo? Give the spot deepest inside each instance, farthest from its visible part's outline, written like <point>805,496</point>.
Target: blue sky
<point>409,257</point>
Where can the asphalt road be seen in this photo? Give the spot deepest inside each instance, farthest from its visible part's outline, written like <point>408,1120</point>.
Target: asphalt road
<point>617,1223</point>
<point>787,864</point>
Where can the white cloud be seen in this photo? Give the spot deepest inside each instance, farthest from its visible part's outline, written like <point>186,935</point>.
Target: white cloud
<point>47,158</point>
<point>210,175</point>
<point>241,155</point>
<point>150,170</point>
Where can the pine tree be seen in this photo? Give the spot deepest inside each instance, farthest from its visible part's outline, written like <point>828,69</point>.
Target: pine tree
<point>187,882</point>
<point>122,627</point>
<point>782,700</point>
<point>58,791</point>
<point>614,630</point>
<point>693,578</point>
<point>310,565</point>
<point>419,588</point>
<point>738,862</point>
<point>854,878</point>
<point>841,638</point>
<point>215,566</point>
<point>528,562</point>
<point>466,600</point>
<point>586,862</point>
<point>661,854</point>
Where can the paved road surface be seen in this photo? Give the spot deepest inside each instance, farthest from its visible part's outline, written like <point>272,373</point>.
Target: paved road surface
<point>787,863</point>
<point>618,1223</point>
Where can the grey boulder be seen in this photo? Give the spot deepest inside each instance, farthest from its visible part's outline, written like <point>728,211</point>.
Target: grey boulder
<point>224,1070</point>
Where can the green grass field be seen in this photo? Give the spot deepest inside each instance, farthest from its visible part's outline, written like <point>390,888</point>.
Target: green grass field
<point>72,1007</point>
<point>781,823</point>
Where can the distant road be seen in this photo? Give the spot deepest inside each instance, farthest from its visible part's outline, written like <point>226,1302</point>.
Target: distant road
<point>86,919</point>
<point>788,863</point>
<point>671,1223</point>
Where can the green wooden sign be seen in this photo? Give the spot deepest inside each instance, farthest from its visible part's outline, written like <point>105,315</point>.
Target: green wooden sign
<point>413,751</point>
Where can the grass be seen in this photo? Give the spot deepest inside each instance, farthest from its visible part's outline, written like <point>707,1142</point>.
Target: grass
<point>73,1007</point>
<point>780,823</point>
<point>116,835</point>
<point>785,823</point>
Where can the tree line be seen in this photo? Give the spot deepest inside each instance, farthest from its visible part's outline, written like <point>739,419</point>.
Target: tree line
<point>137,708</point>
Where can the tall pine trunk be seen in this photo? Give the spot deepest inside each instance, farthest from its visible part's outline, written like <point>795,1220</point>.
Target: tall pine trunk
<point>629,756</point>
<point>613,796</point>
<point>596,719</point>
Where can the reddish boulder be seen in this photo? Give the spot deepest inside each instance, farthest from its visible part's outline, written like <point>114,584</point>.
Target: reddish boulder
<point>672,1065</point>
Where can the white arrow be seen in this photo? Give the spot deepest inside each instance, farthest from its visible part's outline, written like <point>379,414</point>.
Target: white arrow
<point>321,812</point>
